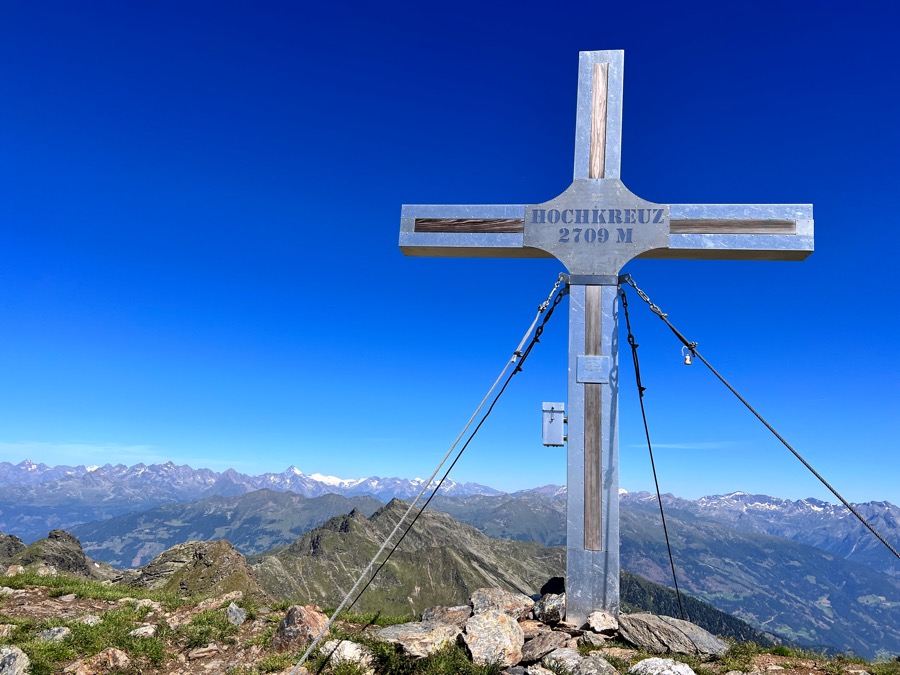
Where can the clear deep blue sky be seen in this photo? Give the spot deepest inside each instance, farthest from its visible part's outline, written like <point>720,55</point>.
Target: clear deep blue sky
<point>199,213</point>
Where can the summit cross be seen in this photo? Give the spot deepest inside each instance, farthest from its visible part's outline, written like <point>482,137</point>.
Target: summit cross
<point>594,228</point>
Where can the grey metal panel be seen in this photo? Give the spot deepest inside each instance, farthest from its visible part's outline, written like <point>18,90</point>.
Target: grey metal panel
<point>735,247</point>
<point>741,211</point>
<point>607,577</point>
<point>592,369</point>
<point>467,245</point>
<point>596,226</point>
<point>586,61</point>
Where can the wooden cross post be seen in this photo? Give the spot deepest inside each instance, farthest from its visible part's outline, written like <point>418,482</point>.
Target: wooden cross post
<point>594,228</point>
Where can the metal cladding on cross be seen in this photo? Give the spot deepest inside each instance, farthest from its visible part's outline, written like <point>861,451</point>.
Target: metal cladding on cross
<point>594,228</point>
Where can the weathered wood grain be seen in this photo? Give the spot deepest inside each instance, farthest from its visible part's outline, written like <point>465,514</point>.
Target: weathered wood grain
<point>478,225</point>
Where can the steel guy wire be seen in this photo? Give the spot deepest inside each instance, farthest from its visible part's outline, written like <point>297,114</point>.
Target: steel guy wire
<point>512,361</point>
<point>692,346</point>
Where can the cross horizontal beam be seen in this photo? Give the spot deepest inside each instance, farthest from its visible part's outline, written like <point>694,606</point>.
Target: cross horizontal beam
<point>696,231</point>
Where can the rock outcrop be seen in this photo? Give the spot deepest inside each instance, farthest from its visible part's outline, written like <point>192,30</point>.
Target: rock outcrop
<point>59,552</point>
<point>198,568</point>
<point>664,634</point>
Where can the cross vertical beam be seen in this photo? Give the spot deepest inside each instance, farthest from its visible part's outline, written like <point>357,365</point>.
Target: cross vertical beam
<point>592,504</point>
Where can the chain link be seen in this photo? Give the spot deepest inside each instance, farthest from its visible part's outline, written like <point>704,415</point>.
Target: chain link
<point>656,310</point>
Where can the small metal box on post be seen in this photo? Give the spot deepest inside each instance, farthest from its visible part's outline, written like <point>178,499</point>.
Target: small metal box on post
<point>553,427</point>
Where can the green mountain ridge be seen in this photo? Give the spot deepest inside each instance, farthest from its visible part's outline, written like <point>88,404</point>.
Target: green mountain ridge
<point>441,562</point>
<point>803,593</point>
<point>252,522</point>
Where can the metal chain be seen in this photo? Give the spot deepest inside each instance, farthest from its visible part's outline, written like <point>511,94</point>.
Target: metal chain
<point>692,346</point>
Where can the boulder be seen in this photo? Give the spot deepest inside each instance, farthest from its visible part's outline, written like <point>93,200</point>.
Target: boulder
<point>300,626</point>
<point>110,660</point>
<point>455,615</point>
<point>660,667</point>
<point>602,622</point>
<point>53,634</point>
<point>538,647</point>
<point>493,636</point>
<point>13,661</point>
<point>146,631</point>
<point>419,638</point>
<point>532,629</point>
<point>594,664</point>
<point>555,586</point>
<point>550,609</point>
<point>344,651</point>
<point>565,657</point>
<point>661,634</point>
<point>236,615</point>
<point>592,640</point>
<point>514,605</point>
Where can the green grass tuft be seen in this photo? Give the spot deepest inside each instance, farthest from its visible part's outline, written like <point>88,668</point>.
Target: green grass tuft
<point>210,625</point>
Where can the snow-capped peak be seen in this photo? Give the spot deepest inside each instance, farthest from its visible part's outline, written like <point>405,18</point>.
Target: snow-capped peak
<point>332,480</point>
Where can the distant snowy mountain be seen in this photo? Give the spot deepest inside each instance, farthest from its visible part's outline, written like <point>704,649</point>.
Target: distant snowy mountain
<point>35,498</point>
<point>829,527</point>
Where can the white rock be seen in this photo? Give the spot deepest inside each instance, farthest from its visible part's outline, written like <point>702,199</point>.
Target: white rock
<point>657,666</point>
<point>146,631</point>
<point>345,651</point>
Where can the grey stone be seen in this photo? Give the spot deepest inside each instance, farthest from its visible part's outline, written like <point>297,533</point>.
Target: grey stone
<point>203,652</point>
<point>236,615</point>
<point>602,622</point>
<point>538,647</point>
<point>515,605</point>
<point>147,631</point>
<point>592,639</point>
<point>110,660</point>
<point>345,651</point>
<point>661,634</point>
<point>455,615</point>
<point>13,661</point>
<point>419,638</point>
<point>300,626</point>
<point>594,664</point>
<point>565,657</point>
<point>53,634</point>
<point>550,609</point>
<point>660,667</point>
<point>494,637</point>
<point>532,629</point>
<point>538,670</point>
<point>513,670</point>
<point>89,620</point>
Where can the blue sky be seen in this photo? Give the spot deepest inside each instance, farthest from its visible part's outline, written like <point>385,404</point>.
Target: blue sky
<point>199,213</point>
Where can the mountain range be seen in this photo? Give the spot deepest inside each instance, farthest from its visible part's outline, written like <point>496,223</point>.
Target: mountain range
<point>800,569</point>
<point>36,498</point>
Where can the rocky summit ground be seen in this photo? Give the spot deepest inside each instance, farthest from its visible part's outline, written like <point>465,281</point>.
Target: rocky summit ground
<point>58,624</point>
